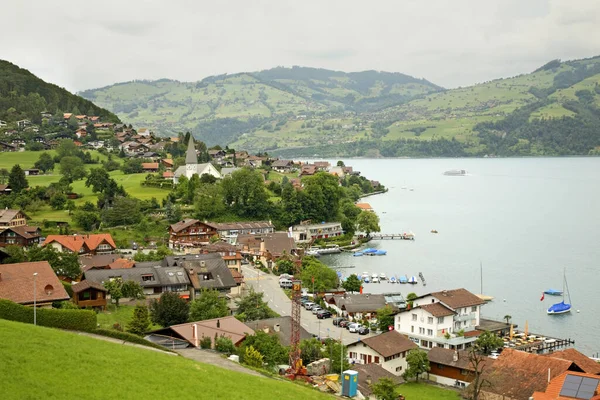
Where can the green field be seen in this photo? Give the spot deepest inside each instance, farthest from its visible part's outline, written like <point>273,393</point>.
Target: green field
<point>43,363</point>
<point>26,159</point>
<point>121,315</point>
<point>424,391</point>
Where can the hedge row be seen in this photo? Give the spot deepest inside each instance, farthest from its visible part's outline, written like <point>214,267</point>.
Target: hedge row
<point>76,320</point>
<point>128,337</point>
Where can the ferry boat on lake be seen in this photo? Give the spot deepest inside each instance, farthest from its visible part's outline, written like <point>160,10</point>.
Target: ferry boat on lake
<point>456,172</point>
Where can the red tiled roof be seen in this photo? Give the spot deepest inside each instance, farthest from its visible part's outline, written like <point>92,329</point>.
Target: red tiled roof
<point>121,263</point>
<point>364,206</point>
<point>389,343</point>
<point>518,374</point>
<point>168,161</point>
<point>150,165</point>
<point>16,283</point>
<point>237,276</point>
<point>555,387</point>
<point>168,174</point>
<point>584,362</point>
<point>76,242</point>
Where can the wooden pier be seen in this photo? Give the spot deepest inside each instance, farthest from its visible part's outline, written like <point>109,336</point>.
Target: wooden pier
<point>392,236</point>
<point>537,344</point>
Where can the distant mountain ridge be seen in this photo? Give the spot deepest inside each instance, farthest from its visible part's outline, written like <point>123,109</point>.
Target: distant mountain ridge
<point>25,96</point>
<point>301,111</point>
<point>218,109</point>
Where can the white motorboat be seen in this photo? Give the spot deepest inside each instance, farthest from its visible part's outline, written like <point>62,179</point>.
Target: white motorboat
<point>456,172</point>
<point>374,276</point>
<point>375,279</point>
<point>382,276</point>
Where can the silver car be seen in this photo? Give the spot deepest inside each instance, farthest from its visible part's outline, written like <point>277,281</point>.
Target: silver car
<point>315,309</point>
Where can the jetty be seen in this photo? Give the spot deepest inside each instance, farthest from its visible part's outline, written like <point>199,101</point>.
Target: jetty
<point>392,236</point>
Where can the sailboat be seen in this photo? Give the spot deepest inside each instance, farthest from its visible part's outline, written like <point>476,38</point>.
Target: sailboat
<point>481,295</point>
<point>562,307</point>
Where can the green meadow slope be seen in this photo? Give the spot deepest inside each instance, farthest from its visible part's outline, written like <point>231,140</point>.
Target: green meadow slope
<point>307,111</point>
<point>219,109</point>
<point>44,363</point>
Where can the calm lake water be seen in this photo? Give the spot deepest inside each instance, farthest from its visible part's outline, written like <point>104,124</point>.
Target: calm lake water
<point>525,220</point>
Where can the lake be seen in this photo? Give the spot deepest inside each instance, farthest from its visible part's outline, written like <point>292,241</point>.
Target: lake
<point>525,220</point>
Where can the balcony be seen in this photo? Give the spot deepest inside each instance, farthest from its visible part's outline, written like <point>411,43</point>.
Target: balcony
<point>465,317</point>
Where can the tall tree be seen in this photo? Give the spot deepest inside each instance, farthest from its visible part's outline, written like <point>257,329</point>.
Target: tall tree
<point>244,191</point>
<point>140,323</point>
<point>368,222</point>
<point>252,307</point>
<point>17,180</point>
<point>318,275</point>
<point>384,389</point>
<point>45,163</point>
<point>98,179</point>
<point>169,310</point>
<point>208,305</point>
<point>418,363</point>
<point>352,284</point>
<point>488,341</point>
<point>72,168</point>
<point>385,318</point>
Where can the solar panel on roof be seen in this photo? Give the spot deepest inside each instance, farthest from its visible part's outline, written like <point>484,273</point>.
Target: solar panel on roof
<point>579,387</point>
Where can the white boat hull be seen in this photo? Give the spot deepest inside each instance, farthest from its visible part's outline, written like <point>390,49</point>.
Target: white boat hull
<point>559,312</point>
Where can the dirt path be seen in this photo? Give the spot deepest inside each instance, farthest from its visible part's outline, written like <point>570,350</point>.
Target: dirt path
<point>210,357</point>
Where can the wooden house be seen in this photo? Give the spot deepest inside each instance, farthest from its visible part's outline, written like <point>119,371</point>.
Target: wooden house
<point>89,294</point>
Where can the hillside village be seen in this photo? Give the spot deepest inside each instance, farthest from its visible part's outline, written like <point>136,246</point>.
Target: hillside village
<point>201,290</point>
<point>207,264</point>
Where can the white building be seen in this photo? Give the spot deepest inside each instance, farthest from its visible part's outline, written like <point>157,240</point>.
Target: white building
<point>192,167</point>
<point>442,319</point>
<point>388,350</point>
<point>306,233</point>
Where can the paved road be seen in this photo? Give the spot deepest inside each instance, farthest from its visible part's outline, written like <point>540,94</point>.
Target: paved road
<point>278,301</point>
<point>213,358</point>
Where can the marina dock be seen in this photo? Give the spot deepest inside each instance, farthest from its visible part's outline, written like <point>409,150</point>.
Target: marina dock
<point>392,236</point>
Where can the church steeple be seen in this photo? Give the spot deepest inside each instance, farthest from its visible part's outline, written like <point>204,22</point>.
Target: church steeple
<point>190,154</point>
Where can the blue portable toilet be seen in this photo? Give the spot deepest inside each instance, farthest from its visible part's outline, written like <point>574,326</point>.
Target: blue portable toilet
<point>349,383</point>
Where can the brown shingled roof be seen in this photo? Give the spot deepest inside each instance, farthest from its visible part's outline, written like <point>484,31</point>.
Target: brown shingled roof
<point>85,284</point>
<point>437,309</point>
<point>439,355</point>
<point>518,374</point>
<point>16,283</point>
<point>375,372</point>
<point>458,298</point>
<point>183,224</point>
<point>584,362</point>
<point>389,343</point>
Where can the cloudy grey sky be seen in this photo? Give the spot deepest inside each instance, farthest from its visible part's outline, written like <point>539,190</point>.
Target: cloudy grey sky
<point>92,43</point>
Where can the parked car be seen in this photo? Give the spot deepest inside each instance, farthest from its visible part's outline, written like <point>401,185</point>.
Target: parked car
<point>286,276</point>
<point>336,321</point>
<point>322,314</point>
<point>354,327</point>
<point>308,305</point>
<point>316,308</point>
<point>344,323</point>
<point>285,283</point>
<point>303,301</point>
<point>363,330</point>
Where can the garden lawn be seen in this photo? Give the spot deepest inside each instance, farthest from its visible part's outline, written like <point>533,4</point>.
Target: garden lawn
<point>424,391</point>
<point>44,363</point>
<point>122,315</point>
<point>26,159</point>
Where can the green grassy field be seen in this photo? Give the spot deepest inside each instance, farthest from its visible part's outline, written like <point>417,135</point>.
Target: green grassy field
<point>121,315</point>
<point>43,363</point>
<point>26,159</point>
<point>424,391</point>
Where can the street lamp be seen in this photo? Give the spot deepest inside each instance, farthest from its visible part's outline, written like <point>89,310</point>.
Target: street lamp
<point>34,300</point>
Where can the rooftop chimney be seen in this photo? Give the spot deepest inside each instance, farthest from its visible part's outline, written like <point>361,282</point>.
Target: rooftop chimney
<point>195,335</point>
<point>455,356</point>
<point>277,327</point>
<point>218,323</point>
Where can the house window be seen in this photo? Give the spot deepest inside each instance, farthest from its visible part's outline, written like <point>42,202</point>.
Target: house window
<point>464,372</point>
<point>147,278</point>
<point>430,320</point>
<point>440,366</point>
<point>422,331</point>
<point>376,359</point>
<point>440,320</point>
<point>85,295</point>
<point>414,317</point>
<point>429,332</point>
<point>398,369</point>
<point>412,329</point>
<point>474,309</point>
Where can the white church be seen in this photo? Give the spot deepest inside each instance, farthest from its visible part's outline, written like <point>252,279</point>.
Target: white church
<point>192,167</point>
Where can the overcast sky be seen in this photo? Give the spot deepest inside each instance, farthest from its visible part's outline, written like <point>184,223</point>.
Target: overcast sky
<point>88,44</point>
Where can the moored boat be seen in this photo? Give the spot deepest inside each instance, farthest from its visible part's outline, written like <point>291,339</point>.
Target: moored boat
<point>392,279</point>
<point>403,279</point>
<point>553,292</point>
<point>413,280</point>
<point>456,172</point>
<point>357,254</point>
<point>382,276</point>
<point>562,307</point>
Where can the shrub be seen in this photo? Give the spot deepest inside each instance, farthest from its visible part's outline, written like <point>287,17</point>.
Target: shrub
<point>205,342</point>
<point>225,345</point>
<point>68,289</point>
<point>77,320</point>
<point>253,358</point>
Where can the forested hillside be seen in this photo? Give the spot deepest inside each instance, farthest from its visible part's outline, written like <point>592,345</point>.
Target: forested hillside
<point>24,96</point>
